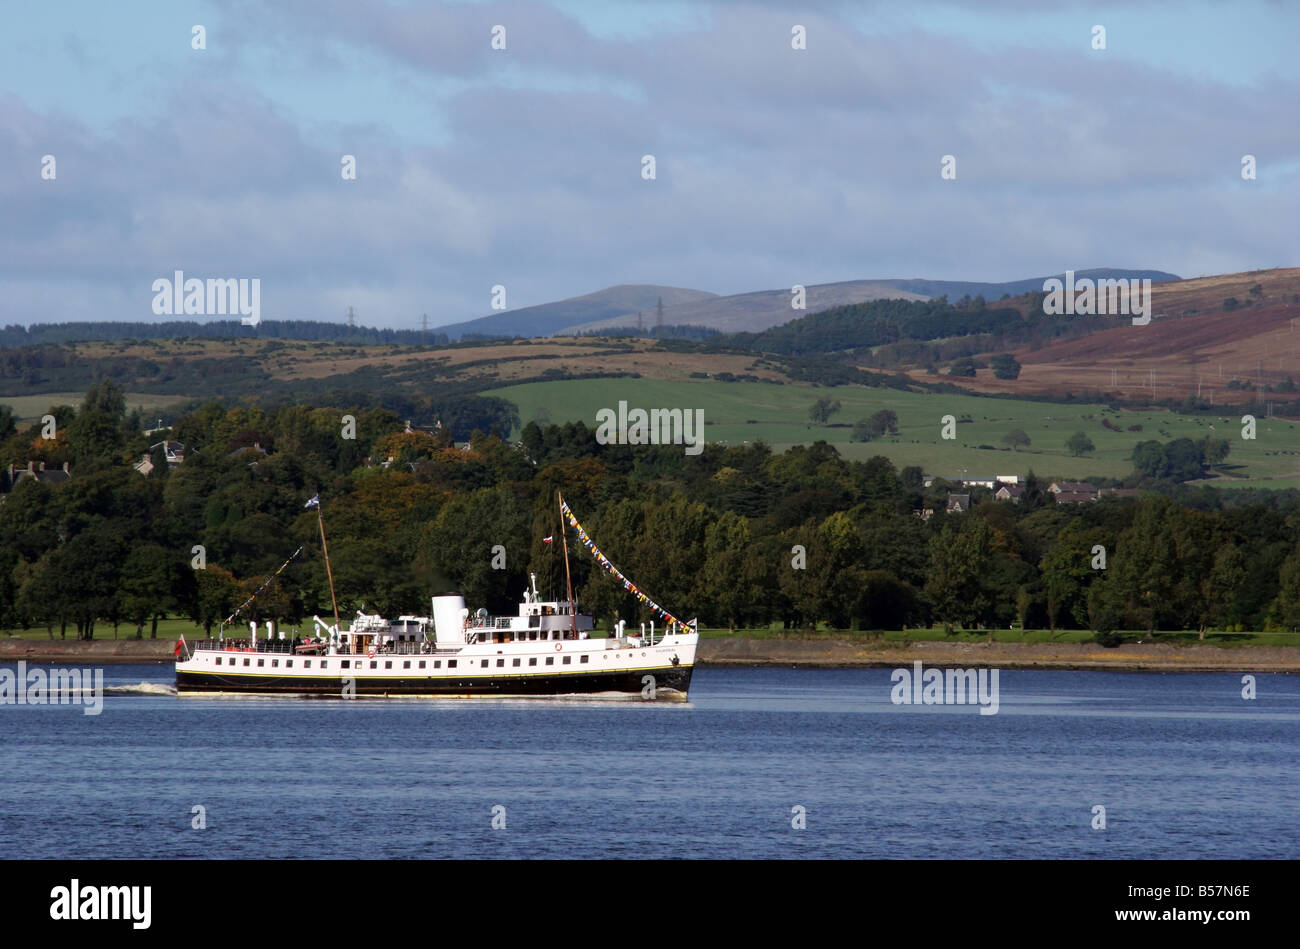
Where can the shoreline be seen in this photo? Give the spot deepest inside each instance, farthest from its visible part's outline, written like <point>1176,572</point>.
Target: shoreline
<point>1130,657</point>
<point>828,653</point>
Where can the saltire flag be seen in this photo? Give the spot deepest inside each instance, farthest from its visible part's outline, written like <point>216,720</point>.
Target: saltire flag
<point>314,502</point>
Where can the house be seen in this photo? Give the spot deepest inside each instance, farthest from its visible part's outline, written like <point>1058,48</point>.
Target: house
<point>1075,497</point>
<point>1009,492</point>
<point>255,447</point>
<point>173,451</point>
<point>1119,493</point>
<point>976,482</point>
<point>924,513</point>
<point>35,471</point>
<point>1073,487</point>
<point>958,503</point>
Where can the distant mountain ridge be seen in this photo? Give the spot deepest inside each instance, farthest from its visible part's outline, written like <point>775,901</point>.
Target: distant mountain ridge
<point>750,312</point>
<point>760,310</point>
<point>549,319</point>
<point>955,289</point>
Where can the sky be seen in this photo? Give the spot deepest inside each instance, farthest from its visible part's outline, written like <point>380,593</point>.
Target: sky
<point>524,167</point>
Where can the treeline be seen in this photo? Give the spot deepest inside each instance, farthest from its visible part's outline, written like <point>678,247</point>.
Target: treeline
<point>673,331</point>
<point>874,323</point>
<point>308,330</point>
<point>738,535</point>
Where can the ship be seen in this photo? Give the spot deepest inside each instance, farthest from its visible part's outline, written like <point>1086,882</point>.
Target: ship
<point>549,648</point>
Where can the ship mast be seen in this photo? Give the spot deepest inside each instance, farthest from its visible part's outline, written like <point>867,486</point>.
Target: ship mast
<point>328,572</point>
<point>564,535</point>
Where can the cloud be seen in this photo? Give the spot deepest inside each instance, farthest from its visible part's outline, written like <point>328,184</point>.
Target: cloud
<point>523,167</point>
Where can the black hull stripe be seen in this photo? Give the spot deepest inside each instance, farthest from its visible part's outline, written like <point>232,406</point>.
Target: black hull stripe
<point>629,682</point>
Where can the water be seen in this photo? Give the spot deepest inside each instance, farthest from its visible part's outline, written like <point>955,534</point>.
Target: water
<point>1185,767</point>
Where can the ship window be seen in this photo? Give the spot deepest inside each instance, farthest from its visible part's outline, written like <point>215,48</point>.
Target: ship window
<point>584,659</point>
<point>275,663</point>
<point>568,659</point>
<point>373,664</point>
<point>500,663</point>
<point>532,661</point>
<point>345,663</point>
<point>407,664</point>
<point>288,663</point>
<point>261,662</point>
<point>324,664</point>
<point>437,663</point>
<point>534,621</point>
<point>485,663</point>
<point>388,663</point>
<point>218,660</point>
<point>515,663</point>
<point>550,660</point>
<point>451,663</point>
<point>306,663</point>
<point>245,662</point>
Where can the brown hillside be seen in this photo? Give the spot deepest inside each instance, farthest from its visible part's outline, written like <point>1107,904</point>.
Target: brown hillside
<point>1190,345</point>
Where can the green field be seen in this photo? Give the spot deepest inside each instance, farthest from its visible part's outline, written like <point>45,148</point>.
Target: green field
<point>29,408</point>
<point>736,412</point>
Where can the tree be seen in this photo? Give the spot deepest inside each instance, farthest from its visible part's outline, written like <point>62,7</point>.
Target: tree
<point>1005,366</point>
<point>964,367</point>
<point>1142,577</point>
<point>147,585</point>
<point>216,597</point>
<point>106,397</point>
<point>1016,438</point>
<point>958,562</point>
<point>734,575</point>
<point>1079,443</point>
<point>1286,607</point>
<point>885,422</point>
<point>823,409</point>
<point>886,602</point>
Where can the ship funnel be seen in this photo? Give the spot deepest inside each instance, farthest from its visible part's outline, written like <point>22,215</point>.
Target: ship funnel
<point>449,615</point>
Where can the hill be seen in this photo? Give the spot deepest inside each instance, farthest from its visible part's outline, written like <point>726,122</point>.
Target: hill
<point>956,289</point>
<point>1226,339</point>
<point>764,309</point>
<point>752,312</point>
<point>549,319</point>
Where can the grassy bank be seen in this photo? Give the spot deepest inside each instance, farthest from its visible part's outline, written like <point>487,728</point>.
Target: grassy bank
<point>1168,637</point>
<point>173,629</point>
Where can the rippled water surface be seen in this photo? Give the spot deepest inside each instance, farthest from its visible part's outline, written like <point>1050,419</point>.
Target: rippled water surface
<point>1183,765</point>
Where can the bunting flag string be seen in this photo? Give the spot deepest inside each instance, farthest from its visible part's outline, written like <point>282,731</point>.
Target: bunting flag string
<point>608,565</point>
<point>231,618</point>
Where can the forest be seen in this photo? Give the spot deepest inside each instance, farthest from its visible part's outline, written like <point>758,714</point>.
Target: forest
<point>739,536</point>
